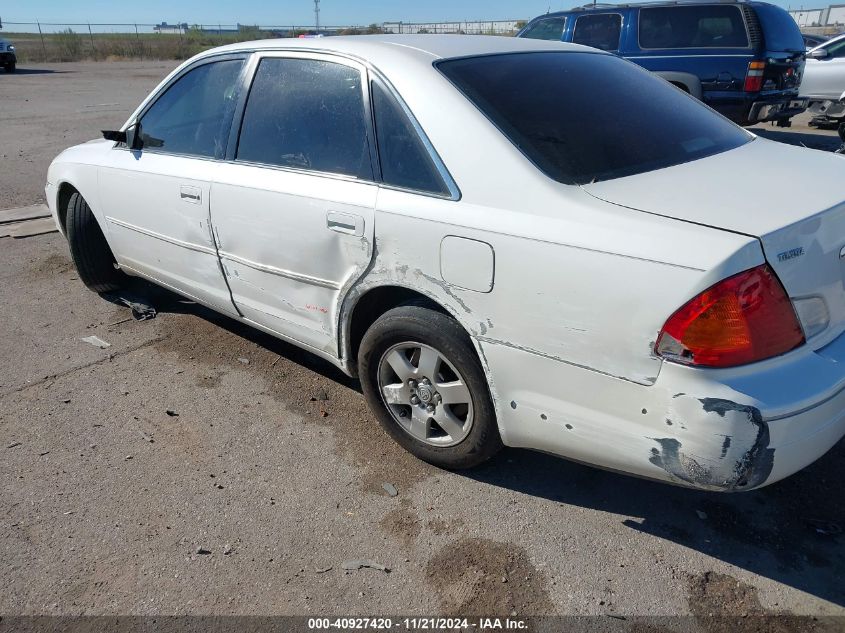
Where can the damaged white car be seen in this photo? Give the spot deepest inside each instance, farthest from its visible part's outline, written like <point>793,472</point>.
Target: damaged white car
<point>509,241</point>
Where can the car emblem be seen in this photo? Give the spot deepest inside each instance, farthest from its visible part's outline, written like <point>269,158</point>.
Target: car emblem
<point>795,252</point>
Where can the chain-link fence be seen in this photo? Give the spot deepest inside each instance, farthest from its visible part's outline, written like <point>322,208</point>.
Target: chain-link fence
<point>54,42</point>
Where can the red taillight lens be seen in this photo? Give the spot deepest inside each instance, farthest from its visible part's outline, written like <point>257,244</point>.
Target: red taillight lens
<point>754,76</point>
<point>740,320</point>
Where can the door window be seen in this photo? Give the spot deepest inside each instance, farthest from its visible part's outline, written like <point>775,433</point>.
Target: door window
<point>405,162</point>
<point>705,26</point>
<point>837,49</point>
<point>306,114</point>
<point>194,114</point>
<point>601,30</point>
<point>548,29</point>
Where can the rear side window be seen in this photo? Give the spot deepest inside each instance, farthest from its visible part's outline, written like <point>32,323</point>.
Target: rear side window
<point>632,122</point>
<point>704,26</point>
<point>405,162</point>
<point>194,115</point>
<point>601,30</point>
<point>545,29</point>
<point>306,114</point>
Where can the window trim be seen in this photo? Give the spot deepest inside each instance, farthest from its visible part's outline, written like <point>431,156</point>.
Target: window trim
<point>622,25</point>
<point>749,47</point>
<point>158,94</point>
<point>549,18</point>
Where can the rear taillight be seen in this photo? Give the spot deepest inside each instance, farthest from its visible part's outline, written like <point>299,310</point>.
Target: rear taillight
<point>754,76</point>
<point>740,320</point>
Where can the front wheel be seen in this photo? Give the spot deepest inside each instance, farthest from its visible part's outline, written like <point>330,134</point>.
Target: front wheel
<point>10,67</point>
<point>422,378</point>
<point>91,254</point>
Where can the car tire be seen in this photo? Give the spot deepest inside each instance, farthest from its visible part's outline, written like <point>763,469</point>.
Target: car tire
<point>10,68</point>
<point>469,435</point>
<point>88,247</point>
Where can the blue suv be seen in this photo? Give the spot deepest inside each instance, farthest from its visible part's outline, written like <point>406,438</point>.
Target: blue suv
<point>743,59</point>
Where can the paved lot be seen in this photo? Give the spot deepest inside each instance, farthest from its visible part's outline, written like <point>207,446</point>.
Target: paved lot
<point>270,476</point>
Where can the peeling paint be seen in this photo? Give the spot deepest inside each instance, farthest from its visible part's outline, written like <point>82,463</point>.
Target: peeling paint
<point>513,404</point>
<point>745,459</point>
<point>568,426</point>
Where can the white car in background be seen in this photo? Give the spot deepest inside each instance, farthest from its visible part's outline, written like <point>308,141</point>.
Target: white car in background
<point>509,241</point>
<point>824,80</point>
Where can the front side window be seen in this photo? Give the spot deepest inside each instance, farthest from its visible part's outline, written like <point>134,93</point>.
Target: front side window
<point>194,114</point>
<point>405,161</point>
<point>306,114</point>
<point>837,49</point>
<point>545,29</point>
<point>706,26</point>
<point>586,117</point>
<point>601,30</point>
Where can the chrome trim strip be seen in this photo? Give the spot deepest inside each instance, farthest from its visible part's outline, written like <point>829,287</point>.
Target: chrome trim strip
<point>306,279</point>
<point>207,250</point>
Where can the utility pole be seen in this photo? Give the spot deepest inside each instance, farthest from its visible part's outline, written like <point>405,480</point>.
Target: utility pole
<point>317,15</point>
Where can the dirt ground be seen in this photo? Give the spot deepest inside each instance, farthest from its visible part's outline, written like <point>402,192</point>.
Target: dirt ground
<point>166,475</point>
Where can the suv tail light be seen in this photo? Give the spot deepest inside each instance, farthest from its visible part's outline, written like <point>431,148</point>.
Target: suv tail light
<point>740,320</point>
<point>754,76</point>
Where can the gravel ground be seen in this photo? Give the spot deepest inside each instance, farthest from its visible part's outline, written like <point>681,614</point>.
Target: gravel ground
<point>164,475</point>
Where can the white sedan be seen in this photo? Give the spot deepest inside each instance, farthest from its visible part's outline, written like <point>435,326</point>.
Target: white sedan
<point>509,241</point>
<point>824,79</point>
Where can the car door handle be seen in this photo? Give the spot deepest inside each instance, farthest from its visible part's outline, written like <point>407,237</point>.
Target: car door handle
<point>191,194</point>
<point>345,223</point>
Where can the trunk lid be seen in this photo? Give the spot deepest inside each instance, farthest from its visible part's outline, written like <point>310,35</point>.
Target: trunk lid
<point>799,217</point>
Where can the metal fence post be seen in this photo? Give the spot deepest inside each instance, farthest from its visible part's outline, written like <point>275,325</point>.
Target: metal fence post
<point>43,46</point>
<point>136,32</point>
<point>91,35</point>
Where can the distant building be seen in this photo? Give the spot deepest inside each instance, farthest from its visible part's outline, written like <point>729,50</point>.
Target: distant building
<point>478,27</point>
<point>173,29</point>
<point>831,16</point>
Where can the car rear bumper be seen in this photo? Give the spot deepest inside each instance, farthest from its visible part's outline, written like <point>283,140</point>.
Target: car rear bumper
<point>773,110</point>
<point>723,430</point>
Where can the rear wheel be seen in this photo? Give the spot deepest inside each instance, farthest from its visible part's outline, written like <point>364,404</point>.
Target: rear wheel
<point>91,253</point>
<point>422,378</point>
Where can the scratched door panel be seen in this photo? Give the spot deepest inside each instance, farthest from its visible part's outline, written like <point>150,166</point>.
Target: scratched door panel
<point>285,264</point>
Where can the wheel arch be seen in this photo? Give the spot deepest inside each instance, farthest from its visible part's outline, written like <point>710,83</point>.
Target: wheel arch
<point>366,303</point>
<point>63,196</point>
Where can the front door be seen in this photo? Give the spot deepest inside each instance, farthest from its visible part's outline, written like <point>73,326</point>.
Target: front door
<point>156,198</point>
<point>293,212</point>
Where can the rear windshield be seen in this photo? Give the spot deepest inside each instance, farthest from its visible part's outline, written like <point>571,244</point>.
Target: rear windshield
<point>585,117</point>
<point>705,26</point>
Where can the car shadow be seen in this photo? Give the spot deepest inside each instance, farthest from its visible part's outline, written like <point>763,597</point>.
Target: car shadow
<point>37,71</point>
<point>166,301</point>
<point>829,141</point>
<point>790,531</point>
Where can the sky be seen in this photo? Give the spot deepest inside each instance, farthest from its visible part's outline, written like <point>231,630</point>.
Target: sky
<point>284,12</point>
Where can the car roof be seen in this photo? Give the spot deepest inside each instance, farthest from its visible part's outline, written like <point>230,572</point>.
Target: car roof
<point>603,7</point>
<point>425,48</point>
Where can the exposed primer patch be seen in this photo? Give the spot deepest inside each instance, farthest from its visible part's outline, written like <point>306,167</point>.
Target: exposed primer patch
<point>742,459</point>
<point>480,577</point>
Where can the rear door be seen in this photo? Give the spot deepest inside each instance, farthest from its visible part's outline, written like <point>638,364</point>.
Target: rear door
<point>293,210</point>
